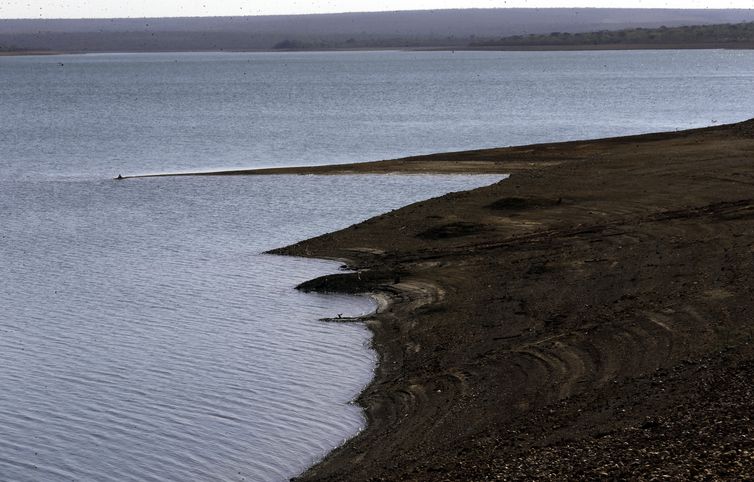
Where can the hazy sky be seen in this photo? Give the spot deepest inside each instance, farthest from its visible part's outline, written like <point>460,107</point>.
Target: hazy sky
<point>174,8</point>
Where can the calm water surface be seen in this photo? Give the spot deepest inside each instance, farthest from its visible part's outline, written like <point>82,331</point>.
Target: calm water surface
<point>143,335</point>
<point>100,114</point>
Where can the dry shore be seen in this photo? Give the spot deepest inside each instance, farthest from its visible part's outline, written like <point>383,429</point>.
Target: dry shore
<point>590,317</point>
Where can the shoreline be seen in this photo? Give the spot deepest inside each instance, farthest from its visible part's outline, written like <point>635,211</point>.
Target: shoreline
<point>462,48</point>
<point>598,299</point>
<point>30,53</point>
<point>496,160</point>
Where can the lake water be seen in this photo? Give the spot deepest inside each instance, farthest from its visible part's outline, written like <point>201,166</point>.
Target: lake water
<point>143,335</point>
<point>137,113</point>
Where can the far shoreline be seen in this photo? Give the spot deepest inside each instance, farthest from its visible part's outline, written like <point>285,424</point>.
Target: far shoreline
<point>517,48</point>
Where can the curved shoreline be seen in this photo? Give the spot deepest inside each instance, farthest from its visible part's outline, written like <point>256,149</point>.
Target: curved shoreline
<point>595,311</point>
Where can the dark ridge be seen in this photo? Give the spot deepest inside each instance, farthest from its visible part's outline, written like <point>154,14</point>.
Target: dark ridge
<point>725,34</point>
<point>453,230</point>
<point>351,283</point>
<point>520,203</point>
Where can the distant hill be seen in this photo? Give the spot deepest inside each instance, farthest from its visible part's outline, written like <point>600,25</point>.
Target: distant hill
<point>721,35</point>
<point>348,30</point>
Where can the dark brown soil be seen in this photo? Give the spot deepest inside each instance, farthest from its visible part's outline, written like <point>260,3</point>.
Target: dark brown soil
<point>590,317</point>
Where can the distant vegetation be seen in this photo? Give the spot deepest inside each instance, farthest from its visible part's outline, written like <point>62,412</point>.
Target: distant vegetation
<point>372,42</point>
<point>407,29</point>
<point>719,34</point>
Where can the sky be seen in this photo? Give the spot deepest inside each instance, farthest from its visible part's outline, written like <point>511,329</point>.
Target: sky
<point>189,8</point>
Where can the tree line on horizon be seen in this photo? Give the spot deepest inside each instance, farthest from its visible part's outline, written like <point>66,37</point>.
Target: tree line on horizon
<point>718,34</point>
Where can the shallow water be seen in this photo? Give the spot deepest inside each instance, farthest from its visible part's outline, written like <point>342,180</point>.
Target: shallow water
<point>143,335</point>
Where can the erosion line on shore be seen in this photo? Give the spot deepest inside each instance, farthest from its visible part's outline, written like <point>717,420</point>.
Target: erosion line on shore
<point>601,298</point>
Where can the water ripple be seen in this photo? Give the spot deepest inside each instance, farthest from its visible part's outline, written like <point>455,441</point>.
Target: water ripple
<point>151,340</point>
